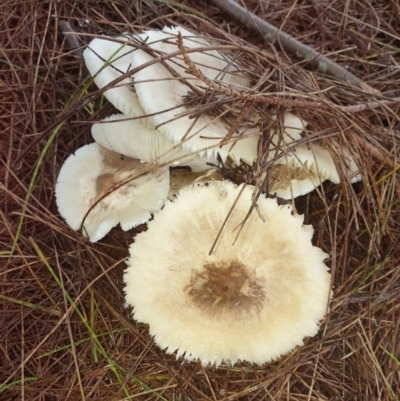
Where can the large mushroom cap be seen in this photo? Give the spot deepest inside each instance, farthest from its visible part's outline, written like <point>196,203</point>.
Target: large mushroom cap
<point>93,172</point>
<point>162,95</point>
<point>131,138</point>
<point>254,298</point>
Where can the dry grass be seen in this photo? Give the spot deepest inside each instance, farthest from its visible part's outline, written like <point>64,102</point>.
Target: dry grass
<point>65,333</point>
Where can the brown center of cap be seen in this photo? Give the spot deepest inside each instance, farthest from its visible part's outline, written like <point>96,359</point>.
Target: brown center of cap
<point>226,287</point>
<point>104,183</point>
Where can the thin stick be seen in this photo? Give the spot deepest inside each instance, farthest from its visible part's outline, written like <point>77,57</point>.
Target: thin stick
<point>290,44</point>
<point>71,37</point>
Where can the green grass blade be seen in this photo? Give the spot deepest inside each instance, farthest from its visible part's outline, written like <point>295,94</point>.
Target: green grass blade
<point>113,365</point>
<point>93,335</point>
<point>16,383</point>
<point>84,340</point>
<point>30,305</point>
<point>49,142</point>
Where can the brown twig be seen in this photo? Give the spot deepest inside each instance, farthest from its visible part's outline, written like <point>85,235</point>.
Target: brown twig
<point>243,112</point>
<point>290,44</point>
<point>71,38</point>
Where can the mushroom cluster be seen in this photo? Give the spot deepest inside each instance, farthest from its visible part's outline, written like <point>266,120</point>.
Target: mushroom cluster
<point>226,284</point>
<point>156,126</point>
<point>159,91</point>
<point>92,200</point>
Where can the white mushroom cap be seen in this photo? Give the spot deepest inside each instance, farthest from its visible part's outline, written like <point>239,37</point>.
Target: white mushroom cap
<point>106,61</point>
<point>91,173</point>
<point>158,91</point>
<point>314,157</point>
<point>132,139</point>
<point>292,127</point>
<point>254,298</point>
<point>212,63</point>
<point>317,159</point>
<point>289,183</point>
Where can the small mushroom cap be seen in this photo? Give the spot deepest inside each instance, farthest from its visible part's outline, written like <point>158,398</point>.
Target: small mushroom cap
<point>254,298</point>
<point>180,178</point>
<point>131,138</point>
<point>317,159</point>
<point>161,94</point>
<point>314,157</point>
<point>106,61</point>
<point>289,183</point>
<point>91,173</point>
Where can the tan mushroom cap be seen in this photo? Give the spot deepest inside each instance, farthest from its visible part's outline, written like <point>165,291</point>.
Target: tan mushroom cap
<point>254,298</point>
<point>131,138</point>
<point>180,178</point>
<point>91,173</point>
<point>161,94</point>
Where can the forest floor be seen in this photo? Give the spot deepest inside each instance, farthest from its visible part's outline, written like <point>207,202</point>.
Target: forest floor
<point>65,332</point>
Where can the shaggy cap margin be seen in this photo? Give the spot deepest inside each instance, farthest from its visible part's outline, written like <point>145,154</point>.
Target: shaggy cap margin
<point>254,298</point>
